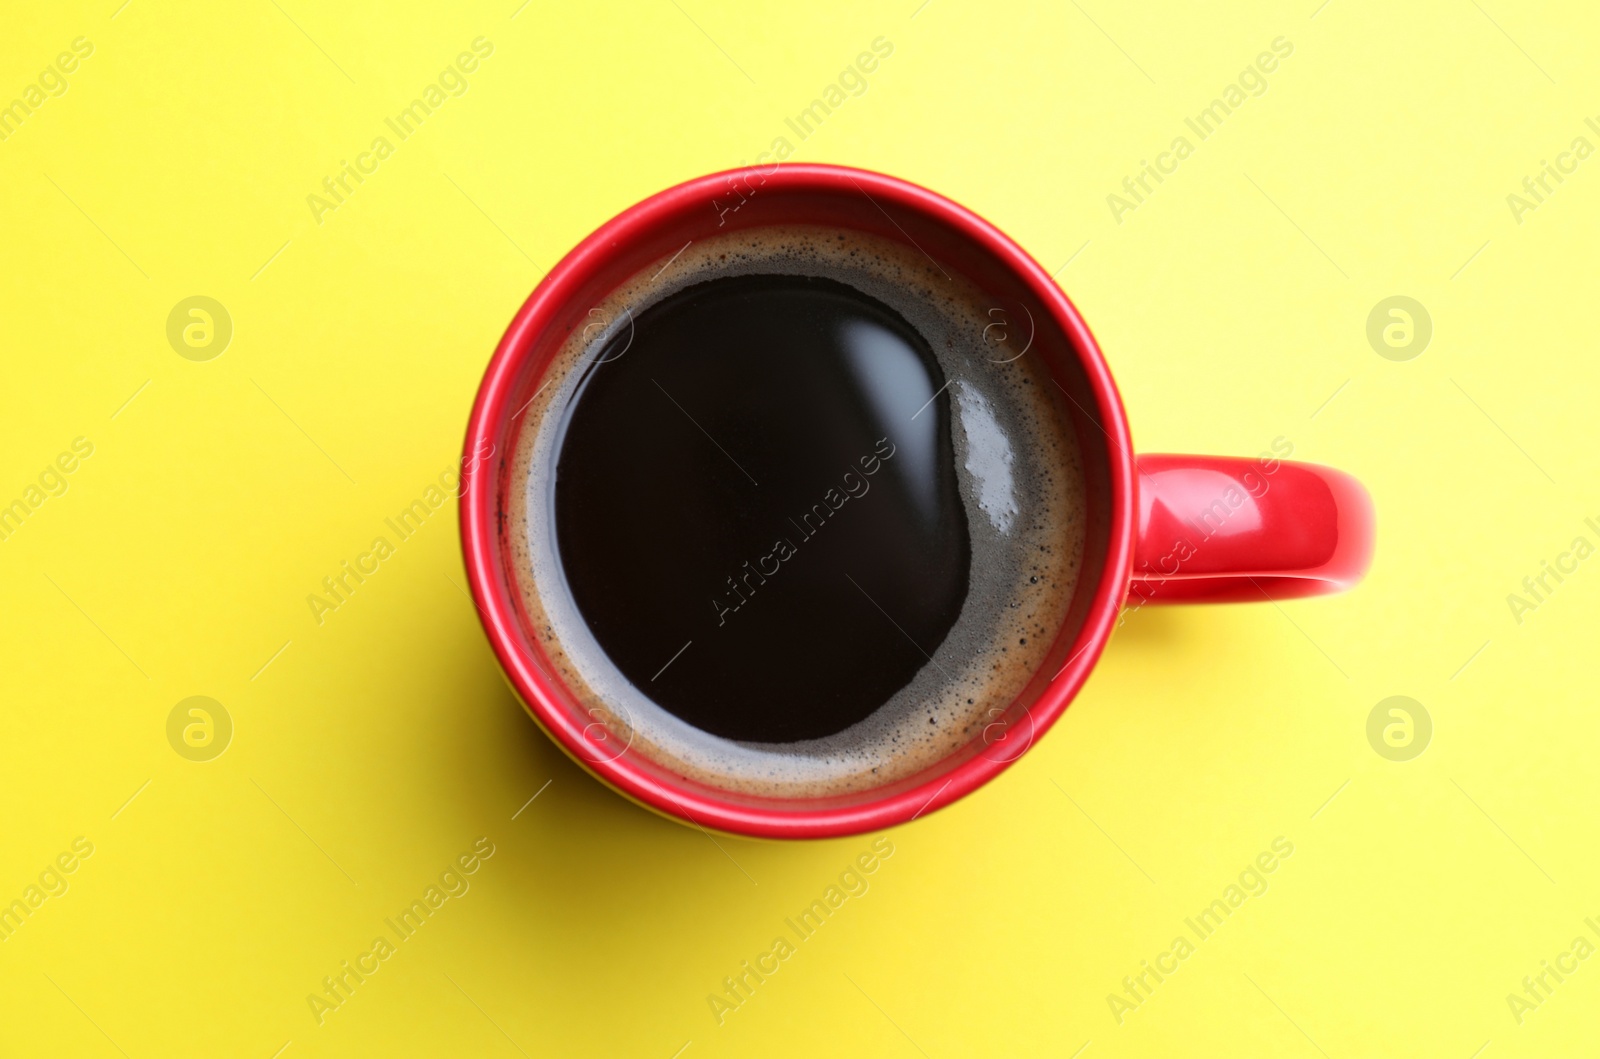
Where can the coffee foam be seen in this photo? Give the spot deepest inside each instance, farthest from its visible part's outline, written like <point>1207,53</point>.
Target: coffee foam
<point>1020,475</point>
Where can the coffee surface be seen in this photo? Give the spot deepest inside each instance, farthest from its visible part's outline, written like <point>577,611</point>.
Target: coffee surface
<point>794,512</point>
<point>757,509</point>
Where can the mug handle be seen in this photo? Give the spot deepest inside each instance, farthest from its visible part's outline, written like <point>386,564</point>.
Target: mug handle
<point>1224,529</point>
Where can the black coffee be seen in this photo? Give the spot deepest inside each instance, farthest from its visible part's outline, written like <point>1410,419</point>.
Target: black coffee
<point>794,512</point>
<point>756,505</point>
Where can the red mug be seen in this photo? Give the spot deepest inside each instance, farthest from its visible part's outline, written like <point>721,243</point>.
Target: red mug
<point>1161,529</point>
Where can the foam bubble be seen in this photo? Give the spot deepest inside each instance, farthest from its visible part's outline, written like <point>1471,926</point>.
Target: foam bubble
<point>1021,480</point>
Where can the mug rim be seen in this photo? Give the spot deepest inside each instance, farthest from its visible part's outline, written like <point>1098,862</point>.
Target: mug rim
<point>539,693</point>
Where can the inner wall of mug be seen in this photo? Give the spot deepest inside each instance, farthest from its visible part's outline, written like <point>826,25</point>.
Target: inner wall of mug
<point>755,200</point>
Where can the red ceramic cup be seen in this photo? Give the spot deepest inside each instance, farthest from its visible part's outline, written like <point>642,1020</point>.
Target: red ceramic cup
<point>1161,529</point>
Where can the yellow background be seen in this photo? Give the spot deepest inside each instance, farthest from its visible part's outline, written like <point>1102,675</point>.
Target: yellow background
<point>382,743</point>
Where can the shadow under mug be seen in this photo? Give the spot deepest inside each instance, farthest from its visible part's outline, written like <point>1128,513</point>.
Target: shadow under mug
<point>1161,528</point>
